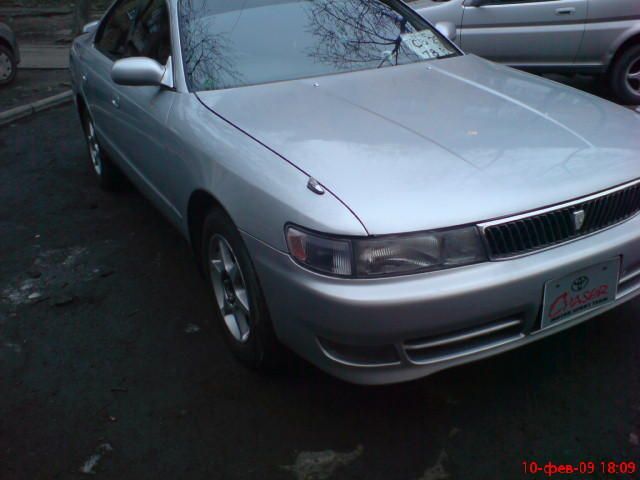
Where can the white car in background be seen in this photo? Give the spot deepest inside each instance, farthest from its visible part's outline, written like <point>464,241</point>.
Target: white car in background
<point>559,36</point>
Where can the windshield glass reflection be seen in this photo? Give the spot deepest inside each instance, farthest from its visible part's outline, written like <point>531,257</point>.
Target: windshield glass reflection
<point>264,41</point>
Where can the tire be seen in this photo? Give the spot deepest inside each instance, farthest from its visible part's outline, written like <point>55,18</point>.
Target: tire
<point>109,176</point>
<point>624,76</point>
<point>249,334</point>
<point>8,66</point>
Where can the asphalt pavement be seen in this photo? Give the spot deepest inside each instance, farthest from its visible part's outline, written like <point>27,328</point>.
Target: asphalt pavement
<point>110,364</point>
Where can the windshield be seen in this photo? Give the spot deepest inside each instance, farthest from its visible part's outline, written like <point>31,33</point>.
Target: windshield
<point>246,42</point>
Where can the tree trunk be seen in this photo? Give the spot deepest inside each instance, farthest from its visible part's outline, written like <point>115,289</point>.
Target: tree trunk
<point>81,15</point>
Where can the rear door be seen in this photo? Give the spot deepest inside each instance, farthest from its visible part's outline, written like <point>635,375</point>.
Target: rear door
<point>610,24</point>
<point>525,32</point>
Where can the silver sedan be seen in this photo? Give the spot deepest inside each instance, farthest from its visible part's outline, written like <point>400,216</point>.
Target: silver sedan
<point>600,37</point>
<point>355,187</point>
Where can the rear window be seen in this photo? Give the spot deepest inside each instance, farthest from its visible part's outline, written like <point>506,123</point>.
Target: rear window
<point>229,44</point>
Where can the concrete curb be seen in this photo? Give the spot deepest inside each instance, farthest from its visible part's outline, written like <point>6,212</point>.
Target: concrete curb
<point>17,113</point>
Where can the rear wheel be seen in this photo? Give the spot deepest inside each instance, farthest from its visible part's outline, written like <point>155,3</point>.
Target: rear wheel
<point>109,177</point>
<point>240,306</point>
<point>8,66</point>
<point>624,76</point>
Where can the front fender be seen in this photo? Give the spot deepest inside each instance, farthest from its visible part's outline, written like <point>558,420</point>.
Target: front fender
<point>259,189</point>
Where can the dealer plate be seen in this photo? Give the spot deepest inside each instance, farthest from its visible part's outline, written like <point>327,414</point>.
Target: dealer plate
<point>580,292</point>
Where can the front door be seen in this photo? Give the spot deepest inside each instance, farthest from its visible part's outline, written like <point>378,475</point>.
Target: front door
<point>134,117</point>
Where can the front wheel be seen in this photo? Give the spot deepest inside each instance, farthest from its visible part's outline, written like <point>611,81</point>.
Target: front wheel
<point>624,76</point>
<point>8,66</point>
<point>240,306</point>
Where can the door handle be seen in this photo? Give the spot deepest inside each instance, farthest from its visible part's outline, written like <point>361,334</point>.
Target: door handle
<point>115,101</point>
<point>84,77</point>
<point>565,11</point>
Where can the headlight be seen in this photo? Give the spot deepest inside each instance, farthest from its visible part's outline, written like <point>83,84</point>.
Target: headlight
<point>386,255</point>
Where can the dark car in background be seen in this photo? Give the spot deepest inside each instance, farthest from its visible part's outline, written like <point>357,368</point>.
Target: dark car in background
<point>9,55</point>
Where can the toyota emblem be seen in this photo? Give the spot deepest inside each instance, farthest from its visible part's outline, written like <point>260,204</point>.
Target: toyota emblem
<point>580,283</point>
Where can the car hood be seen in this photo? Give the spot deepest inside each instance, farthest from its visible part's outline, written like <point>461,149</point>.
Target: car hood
<point>441,143</point>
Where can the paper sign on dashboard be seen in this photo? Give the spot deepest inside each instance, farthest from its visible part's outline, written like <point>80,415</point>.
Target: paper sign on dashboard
<point>425,44</point>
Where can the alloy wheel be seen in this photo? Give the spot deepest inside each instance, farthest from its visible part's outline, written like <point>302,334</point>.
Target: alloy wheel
<point>94,148</point>
<point>633,76</point>
<point>229,287</point>
<point>6,67</point>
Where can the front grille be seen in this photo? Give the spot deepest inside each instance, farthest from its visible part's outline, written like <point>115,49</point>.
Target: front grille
<point>550,227</point>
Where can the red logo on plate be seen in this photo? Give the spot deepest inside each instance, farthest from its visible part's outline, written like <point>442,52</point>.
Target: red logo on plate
<point>565,302</point>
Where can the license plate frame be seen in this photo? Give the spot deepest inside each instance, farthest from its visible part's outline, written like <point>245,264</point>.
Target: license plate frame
<point>580,292</point>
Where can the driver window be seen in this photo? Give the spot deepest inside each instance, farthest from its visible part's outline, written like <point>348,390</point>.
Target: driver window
<point>151,34</point>
<point>113,36</point>
<point>137,28</point>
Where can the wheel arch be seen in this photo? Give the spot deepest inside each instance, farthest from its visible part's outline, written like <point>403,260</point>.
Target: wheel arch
<point>81,104</point>
<point>201,201</point>
<point>83,109</point>
<point>631,40</point>
<point>5,43</point>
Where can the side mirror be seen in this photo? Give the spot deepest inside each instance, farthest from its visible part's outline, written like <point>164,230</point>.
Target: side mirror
<point>448,29</point>
<point>91,27</point>
<point>138,72</point>
<point>474,3</point>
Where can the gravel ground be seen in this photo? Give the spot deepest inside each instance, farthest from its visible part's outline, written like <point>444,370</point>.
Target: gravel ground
<point>109,362</point>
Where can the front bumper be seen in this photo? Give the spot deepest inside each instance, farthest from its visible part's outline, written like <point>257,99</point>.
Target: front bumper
<point>430,321</point>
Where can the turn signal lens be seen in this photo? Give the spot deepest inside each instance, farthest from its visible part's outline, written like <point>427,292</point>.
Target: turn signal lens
<point>324,254</point>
